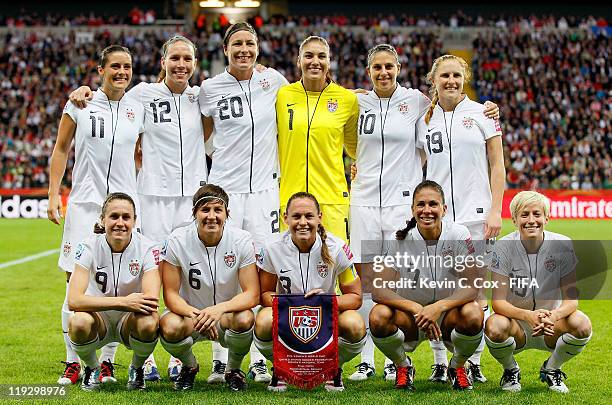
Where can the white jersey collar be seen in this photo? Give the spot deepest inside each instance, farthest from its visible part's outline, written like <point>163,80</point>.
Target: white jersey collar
<point>289,242</point>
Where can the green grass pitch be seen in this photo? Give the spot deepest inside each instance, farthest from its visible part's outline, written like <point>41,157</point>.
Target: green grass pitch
<point>31,344</point>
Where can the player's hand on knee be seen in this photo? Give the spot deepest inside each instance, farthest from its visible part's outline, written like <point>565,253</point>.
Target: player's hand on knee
<point>80,96</point>
<point>54,210</point>
<point>208,317</point>
<point>428,315</point>
<point>433,332</point>
<point>211,333</point>
<point>141,303</point>
<point>316,291</point>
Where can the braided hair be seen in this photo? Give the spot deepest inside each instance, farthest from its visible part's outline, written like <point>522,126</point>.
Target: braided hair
<point>433,91</point>
<point>401,234</point>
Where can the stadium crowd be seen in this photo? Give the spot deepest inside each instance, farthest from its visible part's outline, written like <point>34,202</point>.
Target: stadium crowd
<point>553,88</point>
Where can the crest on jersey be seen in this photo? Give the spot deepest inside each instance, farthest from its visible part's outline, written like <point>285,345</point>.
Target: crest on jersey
<point>549,264</point>
<point>265,84</point>
<point>305,322</point>
<point>468,122</point>
<point>192,97</point>
<point>134,267</point>
<point>322,269</point>
<point>332,105</point>
<point>447,252</point>
<point>403,108</point>
<point>229,258</point>
<point>67,248</point>
<point>129,113</point>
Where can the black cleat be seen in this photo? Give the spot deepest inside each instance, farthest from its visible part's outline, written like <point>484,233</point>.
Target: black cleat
<point>236,380</point>
<point>185,380</point>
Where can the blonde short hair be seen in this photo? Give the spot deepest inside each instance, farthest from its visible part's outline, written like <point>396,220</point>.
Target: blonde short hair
<point>524,198</point>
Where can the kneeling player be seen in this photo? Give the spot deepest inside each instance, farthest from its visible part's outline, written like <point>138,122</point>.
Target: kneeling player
<point>210,285</point>
<point>114,292</point>
<point>535,304</point>
<point>403,319</point>
<point>307,247</point>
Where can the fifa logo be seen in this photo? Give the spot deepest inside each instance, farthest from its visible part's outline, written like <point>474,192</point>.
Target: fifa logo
<point>305,322</point>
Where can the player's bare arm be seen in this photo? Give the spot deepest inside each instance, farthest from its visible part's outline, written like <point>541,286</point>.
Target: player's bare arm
<point>65,135</point>
<point>495,155</point>
<point>81,96</point>
<point>171,282</point>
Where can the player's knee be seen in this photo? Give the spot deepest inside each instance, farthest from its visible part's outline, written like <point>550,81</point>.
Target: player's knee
<point>80,326</point>
<point>351,326</point>
<point>380,318</point>
<point>581,325</point>
<point>471,318</point>
<point>172,328</point>
<point>243,321</point>
<point>497,328</point>
<point>263,324</point>
<point>147,326</point>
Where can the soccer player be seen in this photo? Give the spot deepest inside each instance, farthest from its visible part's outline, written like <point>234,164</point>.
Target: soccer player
<point>316,118</point>
<point>404,318</point>
<point>173,157</point>
<point>238,106</point>
<point>114,292</point>
<point>210,285</point>
<point>543,315</point>
<point>464,156</point>
<point>105,137</point>
<point>322,259</point>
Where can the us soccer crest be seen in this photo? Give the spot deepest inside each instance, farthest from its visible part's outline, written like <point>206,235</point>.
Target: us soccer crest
<point>67,248</point>
<point>134,267</point>
<point>229,259</point>
<point>265,84</point>
<point>403,108</point>
<point>468,122</point>
<point>332,105</point>
<point>322,269</point>
<point>305,322</point>
<point>549,264</point>
<point>129,113</point>
<point>192,97</point>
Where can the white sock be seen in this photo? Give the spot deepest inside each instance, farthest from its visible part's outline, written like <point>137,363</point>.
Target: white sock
<point>567,347</point>
<point>387,361</point>
<point>347,350</point>
<point>393,347</point>
<point>475,358</point>
<point>181,350</point>
<point>87,352</point>
<point>219,352</point>
<point>71,355</point>
<point>367,354</point>
<point>238,344</point>
<point>256,357</point>
<point>464,347</point>
<point>141,350</point>
<point>439,352</point>
<point>264,347</point>
<point>503,352</point>
<point>107,353</point>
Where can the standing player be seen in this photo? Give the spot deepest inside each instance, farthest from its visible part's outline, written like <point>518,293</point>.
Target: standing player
<point>210,286</point>
<point>405,318</point>
<point>105,136</point>
<point>316,118</point>
<point>114,292</point>
<point>173,157</point>
<point>322,259</point>
<point>465,156</point>
<point>238,106</point>
<point>527,316</point>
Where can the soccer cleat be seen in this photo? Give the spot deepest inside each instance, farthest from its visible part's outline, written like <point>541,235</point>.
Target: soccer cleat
<point>150,371</point>
<point>335,385</point>
<point>554,379</point>
<point>136,378</point>
<point>236,380</point>
<point>511,380</point>
<point>459,379</point>
<point>258,372</point>
<point>71,373</point>
<point>364,371</point>
<point>389,372</point>
<point>186,378</point>
<point>217,375</point>
<point>107,372</point>
<point>276,384</point>
<point>91,379</point>
<point>174,368</point>
<point>474,372</point>
<point>404,378</point>
<point>438,373</point>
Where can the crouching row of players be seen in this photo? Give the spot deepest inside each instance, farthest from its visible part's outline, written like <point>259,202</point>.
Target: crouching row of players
<point>211,283</point>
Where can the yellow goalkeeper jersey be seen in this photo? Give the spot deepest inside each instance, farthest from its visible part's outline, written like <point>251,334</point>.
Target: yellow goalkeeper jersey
<point>313,128</point>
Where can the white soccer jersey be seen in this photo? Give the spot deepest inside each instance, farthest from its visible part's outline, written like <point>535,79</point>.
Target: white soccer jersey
<point>388,162</point>
<point>105,138</point>
<point>209,275</point>
<point>555,259</point>
<point>116,274</point>
<point>245,157</point>
<point>298,272</point>
<point>174,161</point>
<point>455,144</point>
<point>433,263</point>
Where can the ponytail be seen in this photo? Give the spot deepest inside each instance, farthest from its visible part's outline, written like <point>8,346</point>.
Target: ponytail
<point>325,255</point>
<point>98,228</point>
<point>402,233</point>
<point>434,101</point>
<point>161,76</point>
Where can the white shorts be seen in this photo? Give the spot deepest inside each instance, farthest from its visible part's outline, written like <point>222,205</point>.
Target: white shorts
<point>198,337</point>
<point>113,320</point>
<point>531,342</point>
<point>258,213</point>
<point>371,226</point>
<point>162,215</point>
<point>78,226</point>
